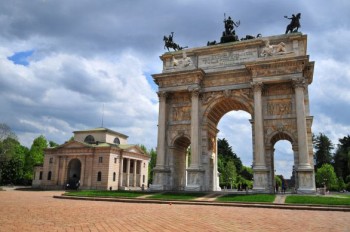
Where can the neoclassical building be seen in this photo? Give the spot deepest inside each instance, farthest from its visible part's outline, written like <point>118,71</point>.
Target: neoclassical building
<point>97,158</point>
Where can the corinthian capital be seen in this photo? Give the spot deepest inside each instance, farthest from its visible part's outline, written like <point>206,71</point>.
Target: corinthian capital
<point>299,83</point>
<point>162,95</point>
<point>257,86</point>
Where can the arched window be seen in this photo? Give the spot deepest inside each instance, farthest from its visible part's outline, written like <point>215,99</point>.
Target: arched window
<point>89,139</point>
<point>99,176</point>
<point>49,175</point>
<point>114,176</point>
<point>116,141</point>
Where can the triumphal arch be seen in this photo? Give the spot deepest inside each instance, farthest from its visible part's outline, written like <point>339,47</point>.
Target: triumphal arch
<point>268,77</point>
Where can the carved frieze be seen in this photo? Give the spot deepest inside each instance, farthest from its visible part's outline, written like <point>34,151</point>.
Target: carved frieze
<point>226,79</point>
<point>278,89</point>
<point>277,68</point>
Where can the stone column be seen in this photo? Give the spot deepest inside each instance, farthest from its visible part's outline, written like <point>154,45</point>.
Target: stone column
<point>135,168</point>
<point>259,161</point>
<point>299,86</point>
<point>161,130</point>
<point>127,172</point>
<point>195,129</point>
<point>121,168</point>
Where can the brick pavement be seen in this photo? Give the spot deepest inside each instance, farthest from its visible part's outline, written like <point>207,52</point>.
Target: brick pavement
<point>39,211</point>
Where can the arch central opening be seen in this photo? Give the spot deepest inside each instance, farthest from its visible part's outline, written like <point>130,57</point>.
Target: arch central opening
<point>229,124</point>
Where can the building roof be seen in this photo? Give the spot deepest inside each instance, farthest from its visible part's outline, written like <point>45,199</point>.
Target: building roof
<point>102,129</point>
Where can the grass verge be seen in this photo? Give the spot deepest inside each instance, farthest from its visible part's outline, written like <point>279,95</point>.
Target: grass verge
<point>176,196</point>
<point>319,200</point>
<point>104,193</point>
<point>267,198</point>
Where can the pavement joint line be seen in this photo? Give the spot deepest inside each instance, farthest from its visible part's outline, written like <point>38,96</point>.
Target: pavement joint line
<point>211,203</point>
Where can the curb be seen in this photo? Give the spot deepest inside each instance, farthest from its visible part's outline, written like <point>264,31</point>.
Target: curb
<point>206,203</point>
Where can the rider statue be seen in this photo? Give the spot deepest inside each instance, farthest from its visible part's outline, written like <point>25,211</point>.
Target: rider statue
<point>294,24</point>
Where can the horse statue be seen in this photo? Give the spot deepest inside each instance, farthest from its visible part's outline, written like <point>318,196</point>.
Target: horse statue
<point>294,24</point>
<point>169,43</point>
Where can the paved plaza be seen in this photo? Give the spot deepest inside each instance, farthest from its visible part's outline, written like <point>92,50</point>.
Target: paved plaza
<point>39,211</point>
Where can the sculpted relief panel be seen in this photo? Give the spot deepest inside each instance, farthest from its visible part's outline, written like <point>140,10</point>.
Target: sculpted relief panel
<point>279,107</point>
<point>181,113</point>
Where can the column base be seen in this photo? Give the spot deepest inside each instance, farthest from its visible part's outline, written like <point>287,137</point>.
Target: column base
<point>160,179</point>
<point>195,179</point>
<point>260,179</point>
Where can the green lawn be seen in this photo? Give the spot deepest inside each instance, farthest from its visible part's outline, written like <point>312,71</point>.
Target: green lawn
<point>104,193</point>
<point>269,198</point>
<point>319,200</point>
<point>176,196</point>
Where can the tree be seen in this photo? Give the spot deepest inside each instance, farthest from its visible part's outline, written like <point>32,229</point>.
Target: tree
<point>35,156</point>
<point>229,173</point>
<point>325,175</point>
<point>225,150</point>
<point>342,158</point>
<point>151,165</point>
<point>6,132</point>
<point>53,144</point>
<point>323,146</point>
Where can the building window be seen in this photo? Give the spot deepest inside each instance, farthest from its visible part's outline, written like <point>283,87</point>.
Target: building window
<point>116,141</point>
<point>51,160</point>
<point>89,139</point>
<point>100,159</point>
<point>144,165</point>
<point>49,175</point>
<point>99,176</point>
<point>114,176</point>
<point>41,175</point>
<point>115,160</point>
<point>143,178</point>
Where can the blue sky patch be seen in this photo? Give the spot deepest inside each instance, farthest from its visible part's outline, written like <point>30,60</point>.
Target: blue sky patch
<point>21,57</point>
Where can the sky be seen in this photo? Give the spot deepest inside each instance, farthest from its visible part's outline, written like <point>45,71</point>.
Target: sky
<point>71,65</point>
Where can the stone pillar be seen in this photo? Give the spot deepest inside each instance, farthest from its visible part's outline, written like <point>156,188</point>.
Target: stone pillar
<point>121,168</point>
<point>259,164</point>
<point>161,130</point>
<point>305,172</point>
<point>195,129</point>
<point>135,168</point>
<point>127,172</point>
<point>259,149</point>
<point>299,86</point>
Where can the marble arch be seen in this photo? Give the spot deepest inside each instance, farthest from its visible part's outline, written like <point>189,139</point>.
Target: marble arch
<point>193,96</point>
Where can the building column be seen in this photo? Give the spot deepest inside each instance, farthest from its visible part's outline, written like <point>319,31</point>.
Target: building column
<point>135,168</point>
<point>161,130</point>
<point>121,168</point>
<point>195,129</point>
<point>299,87</point>
<point>127,172</point>
<point>259,164</point>
<point>259,161</point>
